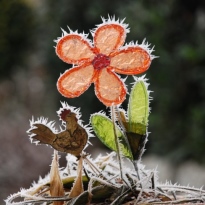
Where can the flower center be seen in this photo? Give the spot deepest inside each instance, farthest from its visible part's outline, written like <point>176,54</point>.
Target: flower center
<point>101,61</point>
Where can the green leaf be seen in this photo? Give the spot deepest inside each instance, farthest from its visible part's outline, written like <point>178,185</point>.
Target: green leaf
<point>103,128</point>
<point>138,112</point>
<point>138,108</point>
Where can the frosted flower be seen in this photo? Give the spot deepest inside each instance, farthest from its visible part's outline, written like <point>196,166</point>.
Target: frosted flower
<point>96,62</point>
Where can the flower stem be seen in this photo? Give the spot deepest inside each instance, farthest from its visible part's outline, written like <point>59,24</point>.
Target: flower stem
<point>112,108</point>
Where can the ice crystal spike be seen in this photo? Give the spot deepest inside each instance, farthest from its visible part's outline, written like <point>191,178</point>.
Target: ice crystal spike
<point>64,109</point>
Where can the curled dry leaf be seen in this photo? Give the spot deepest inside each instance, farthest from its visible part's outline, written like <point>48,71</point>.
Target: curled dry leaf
<point>56,185</point>
<point>78,184</point>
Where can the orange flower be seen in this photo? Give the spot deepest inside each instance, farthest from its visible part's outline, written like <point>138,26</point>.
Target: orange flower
<point>96,62</point>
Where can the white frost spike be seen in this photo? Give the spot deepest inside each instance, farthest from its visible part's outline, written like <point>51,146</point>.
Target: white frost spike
<point>111,20</point>
<point>75,110</point>
<point>83,35</point>
<point>113,115</point>
<point>43,121</point>
<point>144,45</point>
<point>64,33</point>
<point>103,161</point>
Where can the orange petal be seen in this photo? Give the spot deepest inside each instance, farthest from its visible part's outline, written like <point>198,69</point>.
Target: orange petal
<point>133,60</point>
<point>108,38</point>
<point>110,90</point>
<point>74,49</point>
<point>75,81</point>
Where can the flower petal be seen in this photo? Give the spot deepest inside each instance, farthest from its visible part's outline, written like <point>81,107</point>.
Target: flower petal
<point>130,61</point>
<point>110,90</point>
<point>109,37</point>
<point>75,81</point>
<point>74,49</point>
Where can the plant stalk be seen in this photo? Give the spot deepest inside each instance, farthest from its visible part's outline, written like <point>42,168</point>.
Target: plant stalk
<point>112,108</point>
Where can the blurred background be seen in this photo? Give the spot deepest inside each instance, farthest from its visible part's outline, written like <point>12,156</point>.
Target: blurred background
<point>29,69</point>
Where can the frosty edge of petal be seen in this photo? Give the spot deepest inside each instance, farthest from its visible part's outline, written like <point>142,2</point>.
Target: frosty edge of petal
<point>109,37</point>
<point>109,89</point>
<point>75,81</point>
<point>130,61</point>
<point>74,49</point>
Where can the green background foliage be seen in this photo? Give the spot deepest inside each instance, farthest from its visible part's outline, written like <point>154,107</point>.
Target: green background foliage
<point>16,22</point>
<point>29,70</point>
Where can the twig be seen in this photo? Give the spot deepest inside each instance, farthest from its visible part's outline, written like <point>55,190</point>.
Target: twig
<point>185,200</point>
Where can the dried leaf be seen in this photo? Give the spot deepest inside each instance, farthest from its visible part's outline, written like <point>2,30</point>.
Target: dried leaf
<point>56,185</point>
<point>78,184</point>
<point>136,142</point>
<point>72,140</point>
<point>43,134</point>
